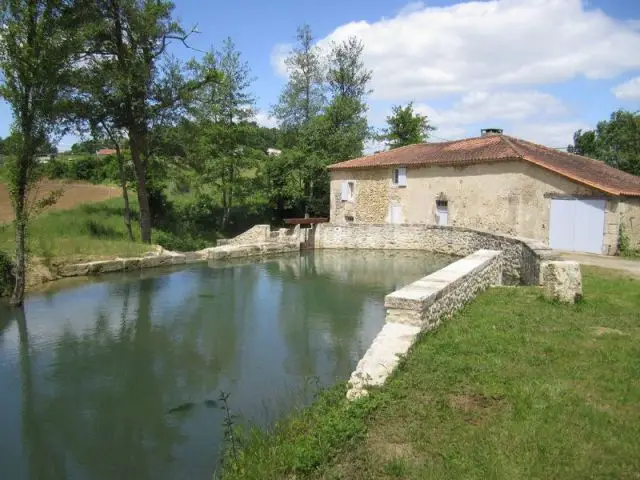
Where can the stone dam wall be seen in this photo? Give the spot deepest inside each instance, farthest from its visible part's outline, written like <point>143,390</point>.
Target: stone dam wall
<point>522,258</point>
<point>421,306</point>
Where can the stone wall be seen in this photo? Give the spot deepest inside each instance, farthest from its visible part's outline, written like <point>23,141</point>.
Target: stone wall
<point>521,257</point>
<point>256,234</point>
<point>264,233</point>
<point>630,221</point>
<point>420,306</point>
<point>257,249</point>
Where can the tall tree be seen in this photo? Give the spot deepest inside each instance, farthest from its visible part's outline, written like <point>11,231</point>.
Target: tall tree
<point>615,141</point>
<point>93,112</point>
<point>348,80</point>
<point>304,95</point>
<point>38,48</point>
<point>129,44</point>
<point>406,127</point>
<point>223,109</point>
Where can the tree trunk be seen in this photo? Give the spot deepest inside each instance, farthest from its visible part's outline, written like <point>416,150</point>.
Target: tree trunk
<point>125,193</point>
<point>225,210</point>
<point>17,298</point>
<point>143,195</point>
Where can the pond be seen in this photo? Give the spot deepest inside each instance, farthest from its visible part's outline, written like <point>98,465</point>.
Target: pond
<point>119,376</point>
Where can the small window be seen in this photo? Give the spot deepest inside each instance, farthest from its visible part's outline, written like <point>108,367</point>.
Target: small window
<point>348,191</point>
<point>400,176</point>
<point>442,212</point>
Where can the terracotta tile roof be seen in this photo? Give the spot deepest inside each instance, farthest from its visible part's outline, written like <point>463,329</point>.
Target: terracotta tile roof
<point>497,148</point>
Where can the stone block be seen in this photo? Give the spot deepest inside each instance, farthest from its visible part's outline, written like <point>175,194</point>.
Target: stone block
<point>75,270</point>
<point>157,261</point>
<point>382,358</point>
<point>562,281</point>
<point>106,266</point>
<point>131,264</point>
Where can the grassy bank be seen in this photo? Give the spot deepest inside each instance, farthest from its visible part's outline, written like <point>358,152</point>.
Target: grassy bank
<point>512,387</point>
<point>88,231</point>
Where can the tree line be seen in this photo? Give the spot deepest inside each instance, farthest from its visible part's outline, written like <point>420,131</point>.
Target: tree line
<point>103,68</point>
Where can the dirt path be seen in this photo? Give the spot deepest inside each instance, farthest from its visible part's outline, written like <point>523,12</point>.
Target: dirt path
<point>628,265</point>
<point>74,193</point>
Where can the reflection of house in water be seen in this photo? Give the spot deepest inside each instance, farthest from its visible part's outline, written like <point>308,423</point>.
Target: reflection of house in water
<point>389,268</point>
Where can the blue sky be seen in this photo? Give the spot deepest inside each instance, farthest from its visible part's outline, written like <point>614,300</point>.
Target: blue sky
<point>537,68</point>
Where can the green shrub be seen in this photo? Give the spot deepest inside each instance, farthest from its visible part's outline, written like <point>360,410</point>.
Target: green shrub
<point>56,168</point>
<point>178,242</point>
<point>7,277</point>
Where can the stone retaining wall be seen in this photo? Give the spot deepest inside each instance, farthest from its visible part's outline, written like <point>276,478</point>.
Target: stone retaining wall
<point>262,234</point>
<point>421,306</point>
<point>257,249</point>
<point>128,264</point>
<point>521,260</point>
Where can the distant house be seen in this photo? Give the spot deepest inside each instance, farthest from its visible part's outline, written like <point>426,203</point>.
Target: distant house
<point>104,152</point>
<point>44,158</point>
<point>494,183</point>
<point>273,152</point>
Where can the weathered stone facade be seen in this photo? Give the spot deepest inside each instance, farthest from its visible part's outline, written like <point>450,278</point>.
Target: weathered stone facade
<point>521,257</point>
<point>630,221</point>
<point>420,306</point>
<point>508,197</point>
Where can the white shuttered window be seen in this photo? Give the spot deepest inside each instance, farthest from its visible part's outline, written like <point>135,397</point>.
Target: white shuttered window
<point>400,176</point>
<point>348,189</point>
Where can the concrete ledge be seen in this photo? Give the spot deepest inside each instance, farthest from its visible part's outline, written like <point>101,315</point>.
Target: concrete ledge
<point>382,358</point>
<point>257,249</point>
<point>421,306</point>
<point>125,264</point>
<point>465,278</point>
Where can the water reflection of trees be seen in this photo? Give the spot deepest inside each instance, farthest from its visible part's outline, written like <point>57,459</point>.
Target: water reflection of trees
<point>320,318</point>
<point>104,404</point>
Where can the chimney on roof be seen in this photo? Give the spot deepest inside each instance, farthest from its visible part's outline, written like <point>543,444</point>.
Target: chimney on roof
<point>488,132</point>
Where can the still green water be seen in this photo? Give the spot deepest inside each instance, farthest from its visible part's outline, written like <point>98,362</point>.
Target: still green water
<point>119,377</point>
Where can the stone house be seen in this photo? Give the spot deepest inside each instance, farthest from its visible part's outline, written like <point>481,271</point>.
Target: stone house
<point>493,183</point>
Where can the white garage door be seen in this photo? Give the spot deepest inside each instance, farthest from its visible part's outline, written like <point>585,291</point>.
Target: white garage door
<point>577,225</point>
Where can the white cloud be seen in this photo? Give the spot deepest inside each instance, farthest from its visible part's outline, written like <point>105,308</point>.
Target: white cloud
<point>265,120</point>
<point>629,90</point>
<point>410,8</point>
<point>482,106</point>
<point>278,55</point>
<point>431,51</point>
<point>484,62</point>
<point>476,110</point>
<point>551,134</point>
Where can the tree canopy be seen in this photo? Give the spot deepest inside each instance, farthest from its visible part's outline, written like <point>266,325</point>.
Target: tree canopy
<point>615,141</point>
<point>406,127</point>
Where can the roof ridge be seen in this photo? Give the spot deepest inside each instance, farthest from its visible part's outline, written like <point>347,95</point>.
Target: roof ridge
<point>506,139</point>
<point>582,158</point>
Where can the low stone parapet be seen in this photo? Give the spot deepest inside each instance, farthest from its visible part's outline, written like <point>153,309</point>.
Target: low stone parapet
<point>421,306</point>
<point>122,264</point>
<point>521,258</point>
<point>257,249</point>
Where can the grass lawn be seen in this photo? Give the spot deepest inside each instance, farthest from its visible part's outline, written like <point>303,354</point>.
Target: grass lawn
<point>88,231</point>
<point>512,387</point>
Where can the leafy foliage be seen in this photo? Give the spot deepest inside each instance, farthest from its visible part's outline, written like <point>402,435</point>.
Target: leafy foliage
<point>7,276</point>
<point>38,48</point>
<point>615,141</point>
<point>406,127</point>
